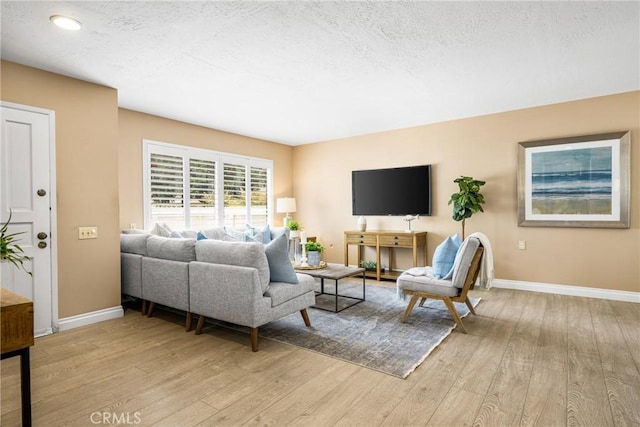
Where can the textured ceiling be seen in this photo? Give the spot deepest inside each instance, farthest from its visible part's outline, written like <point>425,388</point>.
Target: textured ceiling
<point>300,72</point>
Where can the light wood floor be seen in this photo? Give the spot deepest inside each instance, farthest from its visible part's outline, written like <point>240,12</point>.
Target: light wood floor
<point>529,359</point>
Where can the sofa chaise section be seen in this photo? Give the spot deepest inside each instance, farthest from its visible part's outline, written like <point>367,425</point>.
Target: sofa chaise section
<point>230,281</point>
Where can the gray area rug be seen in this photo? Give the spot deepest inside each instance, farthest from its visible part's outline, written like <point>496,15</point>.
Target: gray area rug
<point>370,334</point>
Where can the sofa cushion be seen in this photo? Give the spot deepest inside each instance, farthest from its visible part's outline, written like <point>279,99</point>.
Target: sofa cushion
<point>134,243</point>
<point>422,279</point>
<point>280,267</point>
<point>178,249</point>
<point>277,231</point>
<point>280,292</point>
<point>444,256</point>
<point>244,254</point>
<point>463,261</point>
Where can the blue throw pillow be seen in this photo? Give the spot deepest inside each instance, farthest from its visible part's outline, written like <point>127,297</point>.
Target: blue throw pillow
<point>201,236</point>
<point>444,256</point>
<point>261,235</point>
<point>280,267</point>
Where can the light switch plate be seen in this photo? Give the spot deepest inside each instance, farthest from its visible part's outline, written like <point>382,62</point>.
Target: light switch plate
<point>87,232</point>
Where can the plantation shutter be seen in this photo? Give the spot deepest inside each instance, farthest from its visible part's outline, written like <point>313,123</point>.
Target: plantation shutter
<point>202,197</point>
<point>235,193</point>
<point>259,196</point>
<point>167,190</point>
<point>195,189</point>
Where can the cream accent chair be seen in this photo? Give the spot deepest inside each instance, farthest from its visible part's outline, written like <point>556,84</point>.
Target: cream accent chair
<point>465,272</point>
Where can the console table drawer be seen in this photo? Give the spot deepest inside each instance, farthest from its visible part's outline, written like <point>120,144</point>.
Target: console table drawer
<point>405,241</point>
<point>361,239</point>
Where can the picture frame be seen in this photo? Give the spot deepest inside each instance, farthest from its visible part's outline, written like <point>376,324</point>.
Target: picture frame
<point>581,181</point>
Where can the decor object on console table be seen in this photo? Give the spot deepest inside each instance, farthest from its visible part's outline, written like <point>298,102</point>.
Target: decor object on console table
<point>468,200</point>
<point>385,239</point>
<point>410,218</point>
<point>286,205</point>
<point>362,223</point>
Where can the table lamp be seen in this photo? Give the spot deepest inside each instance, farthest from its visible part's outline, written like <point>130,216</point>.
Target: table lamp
<point>286,205</point>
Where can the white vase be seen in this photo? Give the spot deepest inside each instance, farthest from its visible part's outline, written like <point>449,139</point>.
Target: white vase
<point>362,224</point>
<point>294,234</point>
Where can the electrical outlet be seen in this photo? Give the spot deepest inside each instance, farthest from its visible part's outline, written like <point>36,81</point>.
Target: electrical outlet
<point>87,233</point>
<point>522,245</point>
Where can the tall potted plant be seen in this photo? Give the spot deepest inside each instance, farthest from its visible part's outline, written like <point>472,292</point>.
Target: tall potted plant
<point>468,200</point>
<point>10,250</point>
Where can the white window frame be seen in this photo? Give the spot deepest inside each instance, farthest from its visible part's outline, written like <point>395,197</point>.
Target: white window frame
<point>186,152</point>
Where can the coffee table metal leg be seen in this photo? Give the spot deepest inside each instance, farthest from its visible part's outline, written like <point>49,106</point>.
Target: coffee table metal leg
<point>336,295</point>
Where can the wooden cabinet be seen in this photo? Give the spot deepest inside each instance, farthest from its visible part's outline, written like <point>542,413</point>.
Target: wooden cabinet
<point>16,320</point>
<point>386,240</point>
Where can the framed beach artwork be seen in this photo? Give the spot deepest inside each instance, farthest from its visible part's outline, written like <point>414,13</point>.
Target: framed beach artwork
<point>579,181</point>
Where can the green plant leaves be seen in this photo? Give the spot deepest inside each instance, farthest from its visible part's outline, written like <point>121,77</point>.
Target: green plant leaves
<point>468,200</point>
<point>9,249</point>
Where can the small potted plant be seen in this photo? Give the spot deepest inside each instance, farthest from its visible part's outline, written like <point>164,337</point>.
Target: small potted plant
<point>368,265</point>
<point>294,229</point>
<point>10,250</point>
<point>314,249</point>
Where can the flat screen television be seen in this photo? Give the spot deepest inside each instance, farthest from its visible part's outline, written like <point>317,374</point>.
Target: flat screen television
<point>394,191</point>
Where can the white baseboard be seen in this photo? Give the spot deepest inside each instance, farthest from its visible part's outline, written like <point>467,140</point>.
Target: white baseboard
<point>90,318</point>
<point>578,291</point>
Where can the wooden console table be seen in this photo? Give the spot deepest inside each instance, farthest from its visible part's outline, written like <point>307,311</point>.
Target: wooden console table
<point>385,239</point>
<point>16,318</point>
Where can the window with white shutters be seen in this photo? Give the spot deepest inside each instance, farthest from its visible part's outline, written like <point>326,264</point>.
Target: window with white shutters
<point>167,189</point>
<point>221,188</point>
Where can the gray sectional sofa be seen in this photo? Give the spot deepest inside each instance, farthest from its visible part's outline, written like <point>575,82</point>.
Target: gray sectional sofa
<point>245,283</point>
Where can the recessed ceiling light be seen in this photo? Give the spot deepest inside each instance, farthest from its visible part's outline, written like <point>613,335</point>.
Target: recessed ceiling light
<point>66,22</point>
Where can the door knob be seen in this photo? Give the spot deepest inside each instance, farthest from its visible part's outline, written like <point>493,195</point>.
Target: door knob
<point>42,235</point>
<point>42,245</point>
<point>41,192</point>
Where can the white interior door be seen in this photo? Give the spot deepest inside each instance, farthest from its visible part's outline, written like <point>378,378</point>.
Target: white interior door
<point>25,185</point>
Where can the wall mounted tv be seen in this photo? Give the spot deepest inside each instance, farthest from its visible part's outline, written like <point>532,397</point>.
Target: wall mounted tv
<point>395,191</point>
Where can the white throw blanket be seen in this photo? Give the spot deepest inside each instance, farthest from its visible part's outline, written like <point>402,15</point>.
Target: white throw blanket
<point>487,273</point>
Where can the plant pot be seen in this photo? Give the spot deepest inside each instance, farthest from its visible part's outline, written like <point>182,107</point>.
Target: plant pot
<point>313,258</point>
<point>293,234</point>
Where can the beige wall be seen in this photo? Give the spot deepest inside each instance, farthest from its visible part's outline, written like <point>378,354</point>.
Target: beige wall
<point>87,182</point>
<point>485,148</point>
<point>135,126</point>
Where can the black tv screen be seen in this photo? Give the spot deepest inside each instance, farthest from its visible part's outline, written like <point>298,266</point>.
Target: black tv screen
<point>395,191</point>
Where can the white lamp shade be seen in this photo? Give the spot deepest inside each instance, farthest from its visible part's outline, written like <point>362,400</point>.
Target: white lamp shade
<point>286,205</point>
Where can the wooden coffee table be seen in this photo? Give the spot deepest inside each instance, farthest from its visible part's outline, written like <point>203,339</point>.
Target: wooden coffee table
<point>336,272</point>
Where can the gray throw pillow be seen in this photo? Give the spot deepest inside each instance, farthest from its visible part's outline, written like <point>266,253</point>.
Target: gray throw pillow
<point>280,267</point>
